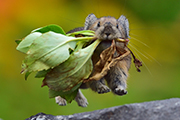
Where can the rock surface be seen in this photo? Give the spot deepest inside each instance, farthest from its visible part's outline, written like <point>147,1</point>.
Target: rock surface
<point>156,110</point>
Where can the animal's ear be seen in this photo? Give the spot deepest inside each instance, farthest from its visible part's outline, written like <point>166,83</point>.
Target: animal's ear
<point>125,24</point>
<point>90,19</point>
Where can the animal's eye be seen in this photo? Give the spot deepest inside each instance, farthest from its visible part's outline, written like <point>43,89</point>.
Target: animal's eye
<point>98,25</point>
<point>117,26</point>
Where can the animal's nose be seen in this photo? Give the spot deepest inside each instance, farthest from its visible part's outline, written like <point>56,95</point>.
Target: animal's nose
<point>108,30</point>
<point>107,34</point>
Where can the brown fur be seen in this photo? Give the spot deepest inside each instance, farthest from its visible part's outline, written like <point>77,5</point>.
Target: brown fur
<point>107,29</point>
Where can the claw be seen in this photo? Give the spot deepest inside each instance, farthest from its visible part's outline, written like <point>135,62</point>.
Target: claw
<point>60,101</point>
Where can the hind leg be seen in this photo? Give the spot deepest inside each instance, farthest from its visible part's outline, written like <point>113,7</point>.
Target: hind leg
<point>60,101</point>
<point>80,99</point>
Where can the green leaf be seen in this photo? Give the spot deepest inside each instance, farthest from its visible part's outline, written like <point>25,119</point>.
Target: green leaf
<point>48,51</point>
<point>83,32</point>
<point>42,73</point>
<point>53,28</point>
<point>59,58</point>
<point>73,71</point>
<point>18,41</point>
<point>25,44</point>
<point>69,96</point>
<point>27,74</point>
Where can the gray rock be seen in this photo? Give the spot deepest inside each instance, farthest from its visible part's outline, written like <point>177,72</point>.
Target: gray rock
<point>156,110</point>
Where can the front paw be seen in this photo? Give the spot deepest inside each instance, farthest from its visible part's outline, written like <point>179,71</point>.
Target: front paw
<point>103,89</point>
<point>120,91</point>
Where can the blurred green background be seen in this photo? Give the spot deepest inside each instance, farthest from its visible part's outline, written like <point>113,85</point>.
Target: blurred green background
<point>155,33</point>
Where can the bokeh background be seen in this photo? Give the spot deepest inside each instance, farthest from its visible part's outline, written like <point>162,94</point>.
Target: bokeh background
<point>155,38</point>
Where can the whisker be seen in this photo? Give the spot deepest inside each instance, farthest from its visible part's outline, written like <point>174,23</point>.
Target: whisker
<point>140,52</point>
<point>142,61</point>
<point>123,8</point>
<point>140,42</point>
<point>145,54</point>
<point>153,58</point>
<point>81,23</point>
<point>144,28</point>
<point>136,35</point>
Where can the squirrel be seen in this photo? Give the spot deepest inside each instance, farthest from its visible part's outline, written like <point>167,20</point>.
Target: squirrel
<point>106,29</point>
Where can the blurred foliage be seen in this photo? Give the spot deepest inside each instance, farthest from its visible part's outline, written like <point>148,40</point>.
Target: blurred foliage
<point>155,23</point>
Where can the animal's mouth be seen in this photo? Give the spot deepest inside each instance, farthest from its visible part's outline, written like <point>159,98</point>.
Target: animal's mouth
<point>116,39</point>
<point>122,40</point>
<point>111,37</point>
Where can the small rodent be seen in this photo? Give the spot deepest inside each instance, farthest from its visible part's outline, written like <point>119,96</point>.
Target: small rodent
<point>106,29</point>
